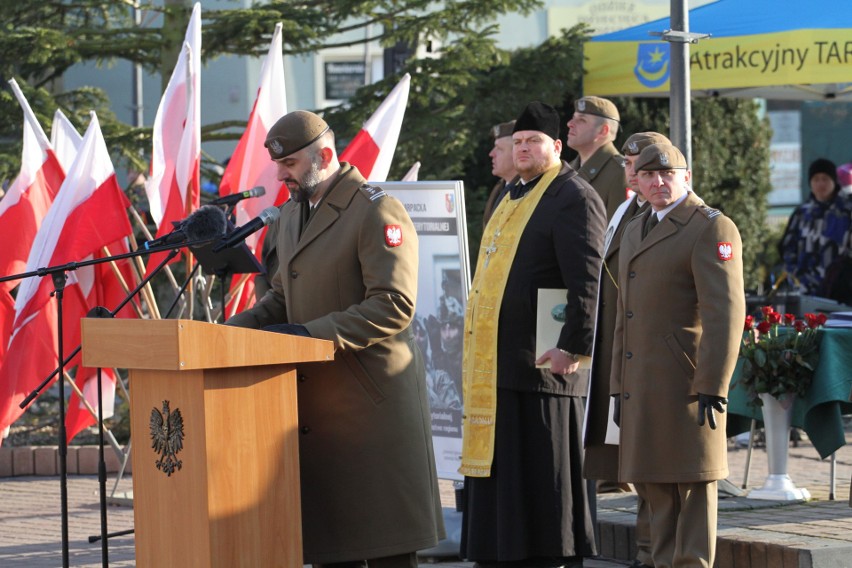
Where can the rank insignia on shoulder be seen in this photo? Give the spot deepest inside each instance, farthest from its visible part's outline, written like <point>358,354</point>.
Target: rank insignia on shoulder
<point>393,235</point>
<point>725,251</point>
<point>710,212</point>
<point>373,193</point>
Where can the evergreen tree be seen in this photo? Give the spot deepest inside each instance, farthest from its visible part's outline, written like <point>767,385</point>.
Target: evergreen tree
<point>42,40</point>
<point>455,98</point>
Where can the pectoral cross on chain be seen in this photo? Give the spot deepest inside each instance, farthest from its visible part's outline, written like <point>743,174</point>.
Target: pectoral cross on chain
<point>490,249</point>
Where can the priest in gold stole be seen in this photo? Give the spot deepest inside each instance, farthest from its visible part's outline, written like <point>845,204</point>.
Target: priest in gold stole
<point>525,500</point>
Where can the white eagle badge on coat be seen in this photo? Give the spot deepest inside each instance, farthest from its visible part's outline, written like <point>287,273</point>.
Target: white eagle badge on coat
<point>725,251</point>
<point>393,235</point>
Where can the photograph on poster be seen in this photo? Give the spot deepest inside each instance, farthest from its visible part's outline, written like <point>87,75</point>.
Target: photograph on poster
<point>437,211</point>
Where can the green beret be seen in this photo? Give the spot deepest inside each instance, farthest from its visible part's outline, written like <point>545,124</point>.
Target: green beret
<point>292,132</point>
<point>539,116</point>
<point>641,140</point>
<point>660,157</point>
<point>502,130</point>
<point>598,107</point>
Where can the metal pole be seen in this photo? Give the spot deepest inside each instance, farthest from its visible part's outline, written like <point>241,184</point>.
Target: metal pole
<point>751,433</point>
<point>138,106</point>
<point>59,280</point>
<point>833,470</point>
<point>367,70</point>
<point>680,107</point>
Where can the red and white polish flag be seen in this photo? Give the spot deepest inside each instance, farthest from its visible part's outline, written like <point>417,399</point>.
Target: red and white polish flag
<point>372,149</point>
<point>174,182</point>
<point>250,165</point>
<point>24,206</point>
<point>412,173</point>
<point>99,286</point>
<point>89,212</point>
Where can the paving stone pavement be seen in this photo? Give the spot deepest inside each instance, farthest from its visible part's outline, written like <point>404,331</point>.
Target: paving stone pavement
<point>752,533</point>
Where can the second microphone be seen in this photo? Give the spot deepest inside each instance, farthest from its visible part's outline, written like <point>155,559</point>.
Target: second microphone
<point>267,216</point>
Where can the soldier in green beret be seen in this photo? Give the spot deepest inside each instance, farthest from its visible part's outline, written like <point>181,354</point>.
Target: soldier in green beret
<point>591,132</point>
<point>501,166</point>
<point>348,257</point>
<point>678,327</point>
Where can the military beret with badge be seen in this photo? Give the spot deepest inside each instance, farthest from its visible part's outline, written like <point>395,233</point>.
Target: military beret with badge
<point>637,142</point>
<point>660,157</point>
<point>502,130</point>
<point>598,107</point>
<point>292,132</point>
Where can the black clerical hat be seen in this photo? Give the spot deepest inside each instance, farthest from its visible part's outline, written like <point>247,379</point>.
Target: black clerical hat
<point>539,116</point>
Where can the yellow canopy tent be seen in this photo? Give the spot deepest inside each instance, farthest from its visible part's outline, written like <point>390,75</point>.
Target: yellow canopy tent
<point>774,49</point>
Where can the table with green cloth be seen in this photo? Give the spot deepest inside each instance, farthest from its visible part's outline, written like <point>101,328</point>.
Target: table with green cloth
<point>820,412</point>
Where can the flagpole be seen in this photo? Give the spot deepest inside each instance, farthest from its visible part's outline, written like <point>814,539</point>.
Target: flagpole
<point>147,292</point>
<point>168,271</point>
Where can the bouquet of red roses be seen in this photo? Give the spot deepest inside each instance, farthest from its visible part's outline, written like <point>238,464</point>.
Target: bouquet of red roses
<point>779,355</point>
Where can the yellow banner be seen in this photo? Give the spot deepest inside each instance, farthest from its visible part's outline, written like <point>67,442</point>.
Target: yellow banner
<point>798,57</point>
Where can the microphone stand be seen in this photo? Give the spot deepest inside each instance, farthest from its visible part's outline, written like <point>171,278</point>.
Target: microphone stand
<point>101,312</point>
<point>222,272</point>
<point>59,277</point>
<point>182,289</point>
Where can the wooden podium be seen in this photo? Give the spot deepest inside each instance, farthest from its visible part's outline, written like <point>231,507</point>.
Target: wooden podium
<point>221,488</point>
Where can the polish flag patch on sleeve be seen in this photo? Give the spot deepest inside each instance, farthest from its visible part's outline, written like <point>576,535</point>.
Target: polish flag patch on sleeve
<point>725,251</point>
<point>393,235</point>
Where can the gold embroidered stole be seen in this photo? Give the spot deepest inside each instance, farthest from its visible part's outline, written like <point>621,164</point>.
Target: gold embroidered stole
<point>479,365</point>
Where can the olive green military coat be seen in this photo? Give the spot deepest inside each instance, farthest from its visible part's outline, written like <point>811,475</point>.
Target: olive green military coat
<point>681,306</point>
<point>605,171</point>
<point>269,261</point>
<point>369,485</point>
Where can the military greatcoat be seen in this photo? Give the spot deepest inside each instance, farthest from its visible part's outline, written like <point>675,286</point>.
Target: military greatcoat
<point>269,260</point>
<point>605,171</point>
<point>681,307</point>
<point>369,485</point>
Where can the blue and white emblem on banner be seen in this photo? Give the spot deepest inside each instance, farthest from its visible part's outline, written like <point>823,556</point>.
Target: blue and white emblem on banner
<point>653,64</point>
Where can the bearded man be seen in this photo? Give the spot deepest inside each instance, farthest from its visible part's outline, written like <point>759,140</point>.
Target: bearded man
<point>348,259</point>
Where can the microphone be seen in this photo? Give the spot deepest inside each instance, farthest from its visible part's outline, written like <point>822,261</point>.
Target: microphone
<point>267,216</point>
<point>204,224</point>
<point>237,197</point>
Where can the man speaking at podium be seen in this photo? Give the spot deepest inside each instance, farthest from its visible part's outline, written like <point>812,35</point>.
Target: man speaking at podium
<point>348,273</point>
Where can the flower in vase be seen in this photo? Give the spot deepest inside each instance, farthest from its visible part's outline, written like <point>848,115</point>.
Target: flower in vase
<point>780,353</point>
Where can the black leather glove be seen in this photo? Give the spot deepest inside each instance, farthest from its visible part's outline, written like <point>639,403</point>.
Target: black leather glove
<point>616,410</point>
<point>707,403</point>
<point>288,329</point>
